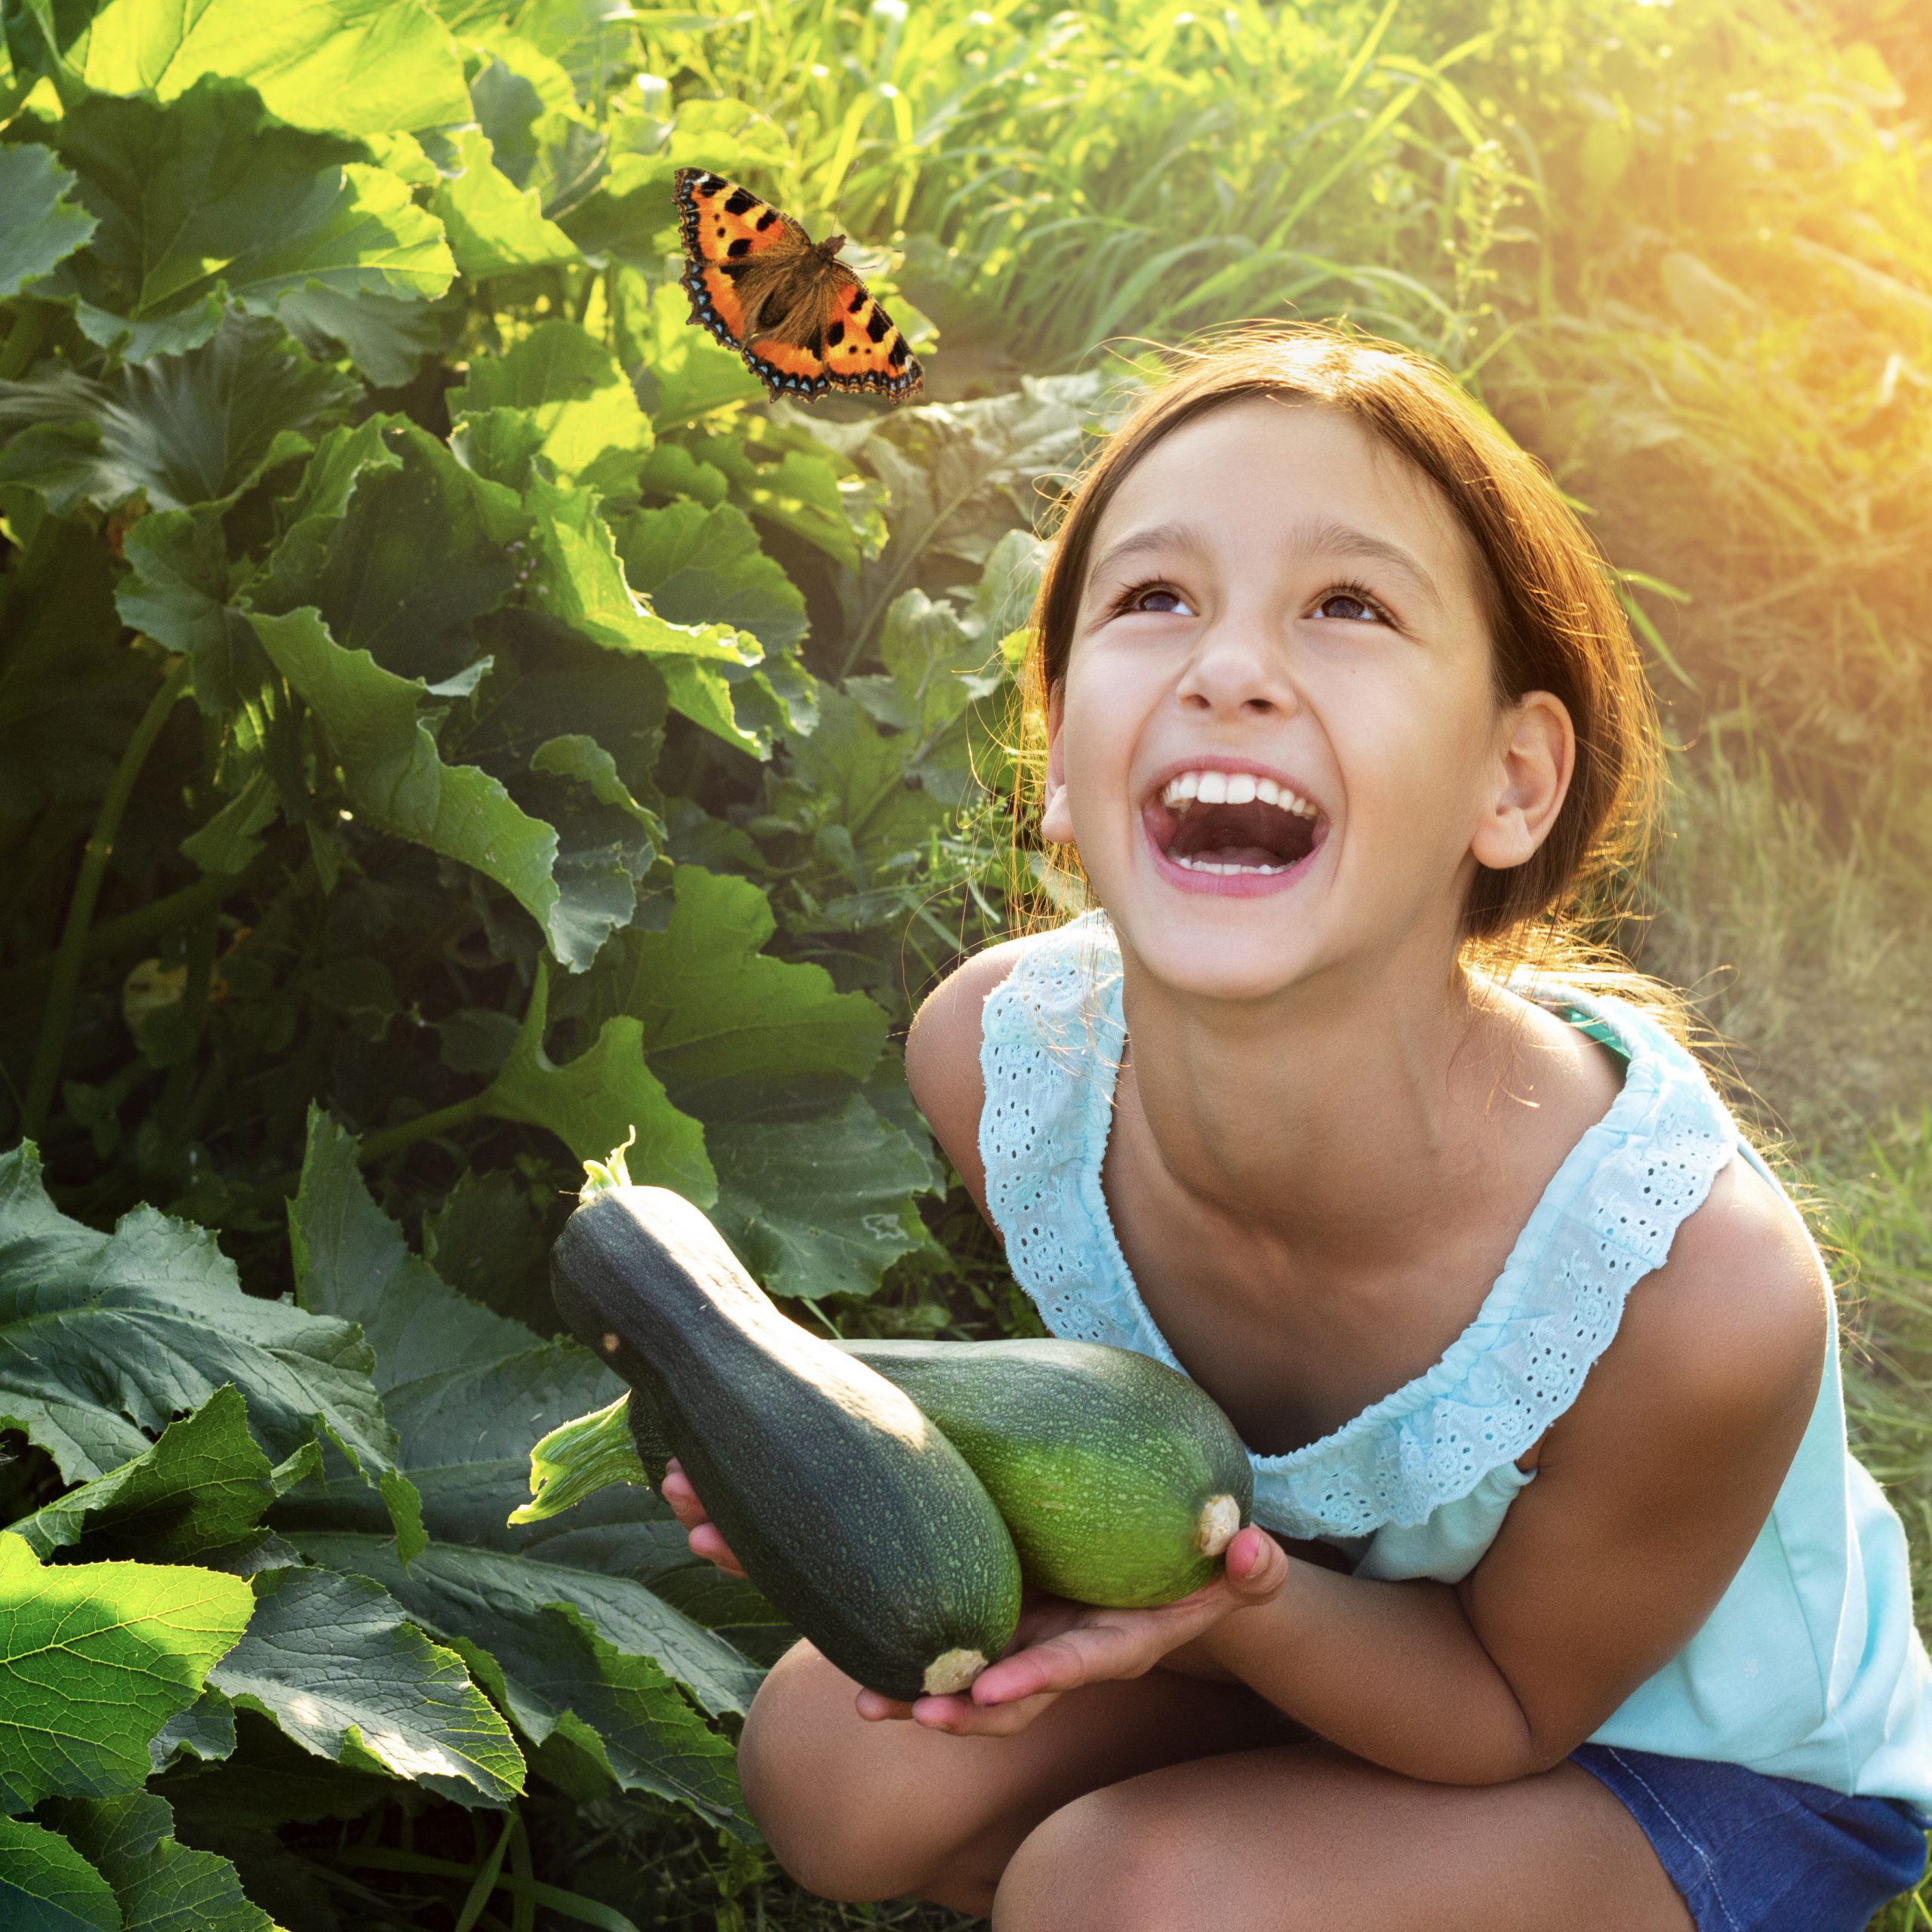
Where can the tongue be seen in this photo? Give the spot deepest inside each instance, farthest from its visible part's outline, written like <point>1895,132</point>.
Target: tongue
<point>1250,835</point>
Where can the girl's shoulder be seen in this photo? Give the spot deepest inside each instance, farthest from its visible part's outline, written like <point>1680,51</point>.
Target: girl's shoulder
<point>942,1052</point>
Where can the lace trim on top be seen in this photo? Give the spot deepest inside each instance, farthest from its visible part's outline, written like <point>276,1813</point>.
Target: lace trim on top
<point>1050,1049</point>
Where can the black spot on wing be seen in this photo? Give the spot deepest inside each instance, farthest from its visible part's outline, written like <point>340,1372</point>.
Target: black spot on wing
<point>876,325</point>
<point>765,221</point>
<point>835,335</point>
<point>740,202</point>
<point>743,246</point>
<point>897,358</point>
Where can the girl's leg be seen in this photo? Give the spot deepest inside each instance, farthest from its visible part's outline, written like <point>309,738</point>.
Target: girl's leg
<point>1305,1838</point>
<point>857,1811</point>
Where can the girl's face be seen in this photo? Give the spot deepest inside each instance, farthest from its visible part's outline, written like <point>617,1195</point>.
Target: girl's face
<point>1275,746</point>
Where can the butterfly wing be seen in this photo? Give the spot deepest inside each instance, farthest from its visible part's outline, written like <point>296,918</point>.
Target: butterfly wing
<point>726,230</point>
<point>804,323</point>
<point>836,338</point>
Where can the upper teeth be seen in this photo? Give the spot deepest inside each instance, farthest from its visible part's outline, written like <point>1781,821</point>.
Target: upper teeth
<point>1233,788</point>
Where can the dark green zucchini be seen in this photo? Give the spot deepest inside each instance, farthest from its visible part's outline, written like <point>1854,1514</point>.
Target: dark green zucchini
<point>849,1509</point>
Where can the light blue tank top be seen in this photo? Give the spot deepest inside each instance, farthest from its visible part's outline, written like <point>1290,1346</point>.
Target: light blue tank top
<point>1809,1666</point>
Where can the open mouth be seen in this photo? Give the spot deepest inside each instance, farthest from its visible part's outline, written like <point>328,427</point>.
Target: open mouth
<point>1232,825</point>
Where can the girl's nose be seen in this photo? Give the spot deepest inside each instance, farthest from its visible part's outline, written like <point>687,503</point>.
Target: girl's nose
<point>1235,669</point>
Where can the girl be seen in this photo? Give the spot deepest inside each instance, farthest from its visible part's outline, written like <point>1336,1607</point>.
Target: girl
<point>1567,1605</point>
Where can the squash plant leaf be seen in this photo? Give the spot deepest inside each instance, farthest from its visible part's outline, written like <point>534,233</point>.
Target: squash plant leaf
<point>564,1649</point>
<point>94,1659</point>
<point>718,1015</point>
<point>332,1662</point>
<point>39,227</point>
<point>202,1487</point>
<point>568,388</point>
<point>198,428</point>
<point>493,225</point>
<point>376,501</point>
<point>592,1102</point>
<point>206,200</point>
<point>581,581</point>
<point>103,1337</point>
<point>822,1206</point>
<point>357,66</point>
<point>699,565</point>
<point>382,741</point>
<point>352,1262</point>
<point>45,1884</point>
<point>160,1885</point>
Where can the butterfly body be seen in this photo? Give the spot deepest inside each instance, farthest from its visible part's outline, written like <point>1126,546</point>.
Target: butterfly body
<point>804,323</point>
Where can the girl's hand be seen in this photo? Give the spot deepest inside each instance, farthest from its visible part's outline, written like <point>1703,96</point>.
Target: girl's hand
<point>703,1535</point>
<point>1060,1646</point>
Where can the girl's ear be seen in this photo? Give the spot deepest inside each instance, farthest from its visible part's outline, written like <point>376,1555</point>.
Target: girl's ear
<point>1056,815</point>
<point>1536,758</point>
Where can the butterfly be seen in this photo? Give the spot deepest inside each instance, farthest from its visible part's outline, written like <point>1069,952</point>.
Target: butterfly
<point>803,322</point>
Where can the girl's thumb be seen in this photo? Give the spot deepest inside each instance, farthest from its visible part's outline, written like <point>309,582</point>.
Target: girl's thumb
<point>1256,1565</point>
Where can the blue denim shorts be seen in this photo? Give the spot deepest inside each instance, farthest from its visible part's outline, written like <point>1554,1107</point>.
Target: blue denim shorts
<point>1754,1853</point>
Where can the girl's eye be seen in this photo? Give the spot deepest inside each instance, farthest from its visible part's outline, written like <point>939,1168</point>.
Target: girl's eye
<point>1351,606</point>
<point>1136,600</point>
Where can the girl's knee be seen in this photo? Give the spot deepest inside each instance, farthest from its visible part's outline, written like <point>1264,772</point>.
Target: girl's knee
<point>1089,1867</point>
<point>819,1782</point>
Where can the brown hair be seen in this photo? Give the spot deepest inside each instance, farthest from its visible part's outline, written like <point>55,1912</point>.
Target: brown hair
<point>1555,622</point>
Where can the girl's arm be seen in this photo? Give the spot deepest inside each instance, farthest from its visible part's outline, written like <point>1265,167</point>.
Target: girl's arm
<point>1649,1492</point>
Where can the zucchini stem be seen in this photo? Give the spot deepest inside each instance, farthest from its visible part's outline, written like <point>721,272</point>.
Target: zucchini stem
<point>53,1039</point>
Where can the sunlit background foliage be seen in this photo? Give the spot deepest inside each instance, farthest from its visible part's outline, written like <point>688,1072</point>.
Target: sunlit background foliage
<point>448,716</point>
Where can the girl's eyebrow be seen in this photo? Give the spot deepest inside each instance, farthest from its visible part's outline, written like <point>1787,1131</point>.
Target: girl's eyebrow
<point>1156,536</point>
<point>1326,538</point>
<point>1329,538</point>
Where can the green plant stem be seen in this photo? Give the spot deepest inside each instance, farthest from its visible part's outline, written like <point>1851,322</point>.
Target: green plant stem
<point>407,1133</point>
<point>23,338</point>
<point>67,961</point>
<point>571,1905</point>
<point>132,929</point>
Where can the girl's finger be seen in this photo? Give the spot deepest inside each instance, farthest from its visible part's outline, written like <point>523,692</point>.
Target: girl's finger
<point>874,1706</point>
<point>707,1540</point>
<point>960,1717</point>
<point>1256,1566</point>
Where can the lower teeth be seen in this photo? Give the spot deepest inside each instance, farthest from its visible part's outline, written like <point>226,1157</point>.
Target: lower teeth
<point>1209,866</point>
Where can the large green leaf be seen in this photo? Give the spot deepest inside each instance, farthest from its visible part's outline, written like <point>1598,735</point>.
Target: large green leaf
<point>604,1096</point>
<point>700,566</point>
<point>526,1631</point>
<point>492,224</point>
<point>361,66</point>
<point>393,775</point>
<point>206,201</point>
<point>820,1207</point>
<point>351,1261</point>
<point>161,1886</point>
<point>181,430</point>
<point>175,590</point>
<point>46,1886</point>
<point>202,1487</point>
<point>569,386</point>
<point>581,581</point>
<point>39,227</point>
<point>94,1659</point>
<point>719,1015</point>
<point>330,1660</point>
<point>378,500</point>
<point>103,1337</point>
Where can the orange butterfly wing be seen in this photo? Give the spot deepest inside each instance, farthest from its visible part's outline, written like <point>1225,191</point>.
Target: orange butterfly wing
<point>804,323</point>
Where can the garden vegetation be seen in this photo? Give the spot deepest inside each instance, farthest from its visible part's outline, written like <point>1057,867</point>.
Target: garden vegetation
<point>449,718</point>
